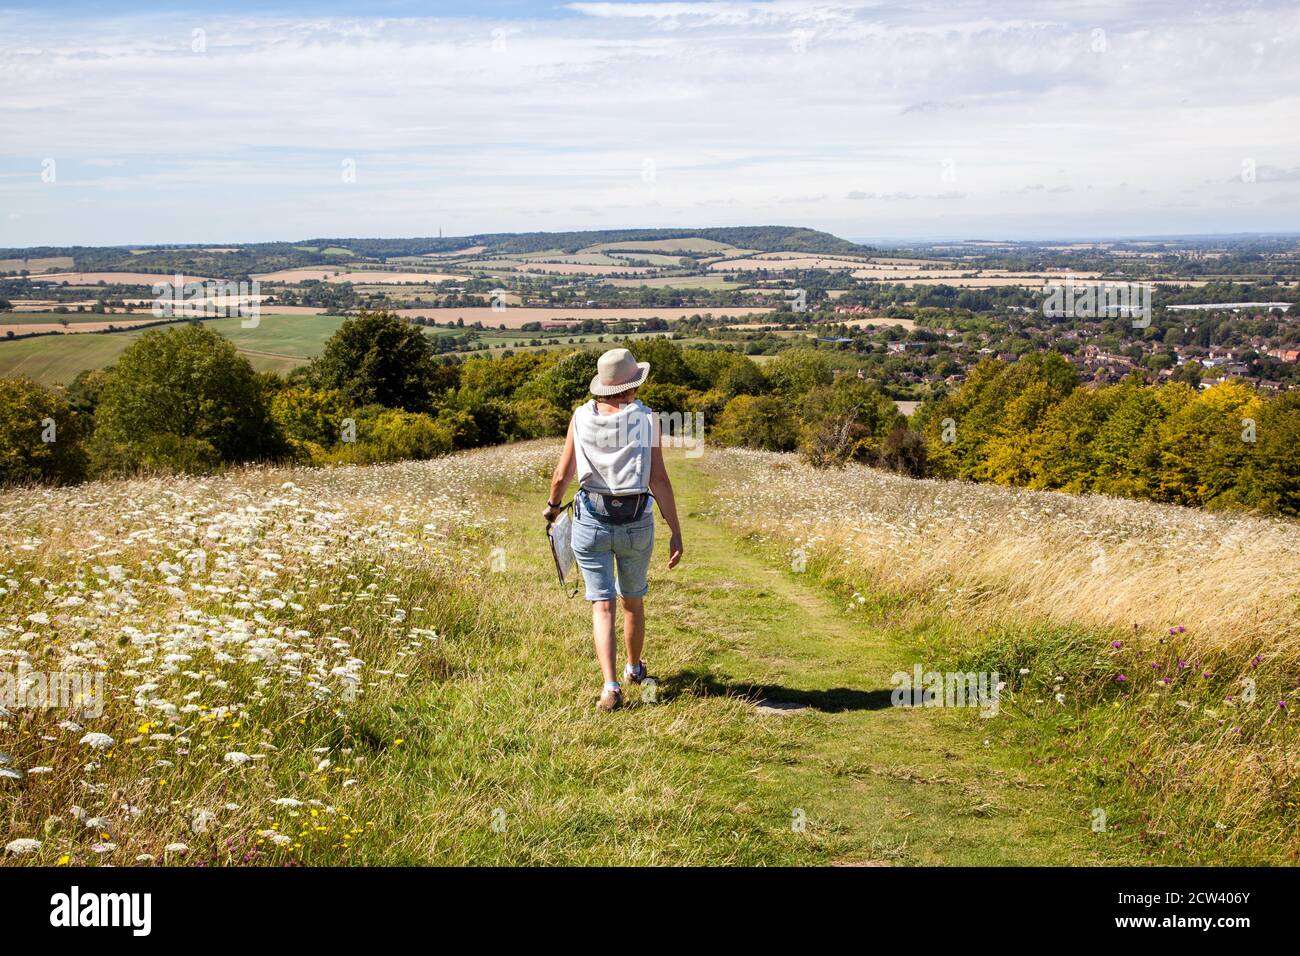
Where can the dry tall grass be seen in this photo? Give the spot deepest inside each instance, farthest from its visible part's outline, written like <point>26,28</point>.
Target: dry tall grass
<point>1175,633</point>
<point>1232,580</point>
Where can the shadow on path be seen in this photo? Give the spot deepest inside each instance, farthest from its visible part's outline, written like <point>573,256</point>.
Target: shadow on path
<point>833,700</point>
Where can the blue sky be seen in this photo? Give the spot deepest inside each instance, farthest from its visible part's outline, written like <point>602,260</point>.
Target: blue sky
<point>236,122</point>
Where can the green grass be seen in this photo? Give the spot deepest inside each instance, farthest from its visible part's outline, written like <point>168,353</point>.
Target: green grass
<point>278,343</point>
<point>700,775</point>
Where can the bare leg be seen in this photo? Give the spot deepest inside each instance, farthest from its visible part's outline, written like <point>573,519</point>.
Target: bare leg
<point>602,631</point>
<point>634,628</point>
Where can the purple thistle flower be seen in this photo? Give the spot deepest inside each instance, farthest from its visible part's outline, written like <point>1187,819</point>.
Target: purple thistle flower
<point>1117,644</point>
<point>1121,678</point>
<point>1183,665</point>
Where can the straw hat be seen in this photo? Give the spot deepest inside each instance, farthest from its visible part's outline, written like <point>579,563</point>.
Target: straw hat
<point>617,371</point>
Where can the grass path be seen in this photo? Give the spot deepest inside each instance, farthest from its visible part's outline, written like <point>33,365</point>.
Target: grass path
<point>726,781</point>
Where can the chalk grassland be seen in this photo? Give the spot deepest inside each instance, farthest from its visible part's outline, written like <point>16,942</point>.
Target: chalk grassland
<point>330,667</point>
<point>321,667</point>
<point>266,636</point>
<point>1153,652</point>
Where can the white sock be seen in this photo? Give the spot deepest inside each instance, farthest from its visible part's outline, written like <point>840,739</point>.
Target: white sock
<point>611,685</point>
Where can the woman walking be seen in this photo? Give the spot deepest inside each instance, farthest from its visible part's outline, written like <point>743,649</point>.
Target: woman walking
<point>613,450</point>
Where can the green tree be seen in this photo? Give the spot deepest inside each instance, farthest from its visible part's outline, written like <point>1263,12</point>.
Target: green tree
<point>184,395</point>
<point>795,372</point>
<point>377,359</point>
<point>1201,448</point>
<point>1061,453</point>
<point>1272,479</point>
<point>1125,449</point>
<point>667,364</point>
<point>564,384</point>
<point>730,372</point>
<point>40,435</point>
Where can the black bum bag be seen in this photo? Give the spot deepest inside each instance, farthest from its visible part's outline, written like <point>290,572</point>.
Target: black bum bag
<point>615,509</point>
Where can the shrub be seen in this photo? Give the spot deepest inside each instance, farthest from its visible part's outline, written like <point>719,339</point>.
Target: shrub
<point>537,418</point>
<point>388,435</point>
<point>309,415</point>
<point>397,435</point>
<point>758,421</point>
<point>903,451</point>
<point>847,421</point>
<point>40,435</point>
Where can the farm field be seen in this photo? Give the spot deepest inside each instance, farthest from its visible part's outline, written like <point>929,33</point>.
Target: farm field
<point>514,317</point>
<point>278,343</point>
<point>339,275</point>
<point>37,265</point>
<point>680,282</point>
<point>115,278</point>
<point>20,323</point>
<point>690,244</point>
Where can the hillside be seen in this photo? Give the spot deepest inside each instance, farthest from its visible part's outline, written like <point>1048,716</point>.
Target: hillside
<point>328,666</point>
<point>245,258</point>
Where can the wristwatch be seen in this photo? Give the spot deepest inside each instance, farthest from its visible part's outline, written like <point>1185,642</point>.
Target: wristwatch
<point>552,504</point>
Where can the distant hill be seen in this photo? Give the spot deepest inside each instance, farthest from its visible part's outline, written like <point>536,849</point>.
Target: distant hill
<point>237,259</point>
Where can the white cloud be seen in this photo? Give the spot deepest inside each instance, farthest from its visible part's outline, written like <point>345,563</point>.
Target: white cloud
<point>868,119</point>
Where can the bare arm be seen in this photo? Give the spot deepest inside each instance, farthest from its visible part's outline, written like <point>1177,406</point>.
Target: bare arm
<point>662,488</point>
<point>564,472</point>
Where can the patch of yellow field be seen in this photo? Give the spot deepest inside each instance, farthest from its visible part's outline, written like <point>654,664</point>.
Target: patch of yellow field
<point>119,278</point>
<point>36,265</point>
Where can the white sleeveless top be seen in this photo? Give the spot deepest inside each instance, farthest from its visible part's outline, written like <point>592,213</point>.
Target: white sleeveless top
<point>613,451</point>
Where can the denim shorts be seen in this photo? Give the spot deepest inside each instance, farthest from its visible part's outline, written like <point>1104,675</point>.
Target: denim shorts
<point>599,547</point>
